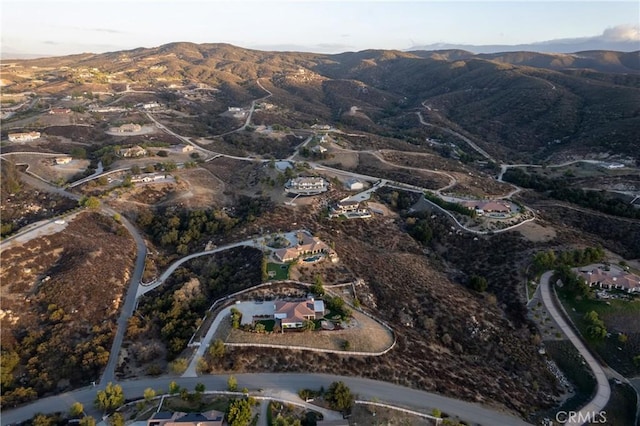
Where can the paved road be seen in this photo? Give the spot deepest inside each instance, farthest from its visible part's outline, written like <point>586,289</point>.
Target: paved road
<point>171,269</point>
<point>283,384</point>
<point>599,401</point>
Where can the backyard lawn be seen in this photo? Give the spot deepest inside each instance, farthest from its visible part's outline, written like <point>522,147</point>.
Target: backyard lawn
<point>277,271</point>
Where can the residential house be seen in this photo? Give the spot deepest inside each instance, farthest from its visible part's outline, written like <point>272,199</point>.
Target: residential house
<point>23,137</point>
<point>59,111</point>
<point>611,279</point>
<point>311,185</point>
<point>293,314</point>
<point>488,206</point>
<point>63,160</point>
<point>354,185</point>
<point>350,209</point>
<point>134,151</point>
<point>184,148</point>
<point>165,418</point>
<point>319,149</point>
<point>306,245</point>
<point>128,128</point>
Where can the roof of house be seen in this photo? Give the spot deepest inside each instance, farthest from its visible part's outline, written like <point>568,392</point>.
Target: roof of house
<point>298,311</point>
<point>610,278</point>
<point>162,415</point>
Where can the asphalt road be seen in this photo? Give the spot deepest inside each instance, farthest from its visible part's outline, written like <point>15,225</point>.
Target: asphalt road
<point>282,384</point>
<point>600,399</point>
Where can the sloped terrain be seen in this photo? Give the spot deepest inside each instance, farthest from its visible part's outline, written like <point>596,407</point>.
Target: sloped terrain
<point>61,296</point>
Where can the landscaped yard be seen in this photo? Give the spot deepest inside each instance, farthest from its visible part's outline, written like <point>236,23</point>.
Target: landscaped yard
<point>366,335</point>
<point>619,316</point>
<point>278,271</point>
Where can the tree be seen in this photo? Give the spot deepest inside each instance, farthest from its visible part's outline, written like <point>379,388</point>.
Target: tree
<point>76,410</point>
<point>308,325</point>
<point>90,202</point>
<point>239,413</point>
<point>87,421</point>
<point>216,349</point>
<point>116,419</point>
<point>339,396</point>
<point>110,398</point>
<point>149,394</point>
<point>174,388</point>
<point>135,169</point>
<point>478,283</point>
<point>232,384</point>
<point>200,388</point>
<point>179,365</point>
<point>318,286</point>
<point>163,153</point>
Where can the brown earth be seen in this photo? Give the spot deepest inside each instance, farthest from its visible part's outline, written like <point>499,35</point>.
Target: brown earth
<point>64,292</point>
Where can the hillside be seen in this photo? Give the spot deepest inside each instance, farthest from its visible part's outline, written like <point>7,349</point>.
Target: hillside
<point>516,105</point>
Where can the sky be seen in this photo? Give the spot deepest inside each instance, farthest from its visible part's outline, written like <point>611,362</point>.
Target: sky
<point>54,27</point>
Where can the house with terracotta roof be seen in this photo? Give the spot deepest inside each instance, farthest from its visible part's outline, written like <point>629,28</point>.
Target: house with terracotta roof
<point>306,244</point>
<point>611,279</point>
<point>167,418</point>
<point>294,314</point>
<point>488,206</point>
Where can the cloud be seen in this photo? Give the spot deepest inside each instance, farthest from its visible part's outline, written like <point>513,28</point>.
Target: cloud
<point>50,42</point>
<point>622,33</point>
<point>100,30</point>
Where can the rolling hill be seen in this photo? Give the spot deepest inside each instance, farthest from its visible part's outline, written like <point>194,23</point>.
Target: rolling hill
<point>515,105</point>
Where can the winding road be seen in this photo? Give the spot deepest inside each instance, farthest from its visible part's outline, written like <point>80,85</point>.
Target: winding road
<point>603,392</point>
<point>285,385</point>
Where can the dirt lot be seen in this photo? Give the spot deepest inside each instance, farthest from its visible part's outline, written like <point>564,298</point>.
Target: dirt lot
<point>45,167</point>
<point>536,232</point>
<point>61,295</point>
<point>371,415</point>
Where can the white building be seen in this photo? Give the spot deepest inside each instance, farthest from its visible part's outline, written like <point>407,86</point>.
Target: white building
<point>23,137</point>
<point>311,185</point>
<point>354,185</point>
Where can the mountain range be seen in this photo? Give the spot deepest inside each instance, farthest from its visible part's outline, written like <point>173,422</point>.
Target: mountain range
<point>519,105</point>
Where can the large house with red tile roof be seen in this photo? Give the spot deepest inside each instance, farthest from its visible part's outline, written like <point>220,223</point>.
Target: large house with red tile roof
<point>306,245</point>
<point>611,279</point>
<point>167,418</point>
<point>488,206</point>
<point>294,314</point>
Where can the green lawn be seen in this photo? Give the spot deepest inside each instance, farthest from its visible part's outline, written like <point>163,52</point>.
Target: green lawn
<point>278,271</point>
<point>618,316</point>
<point>268,324</point>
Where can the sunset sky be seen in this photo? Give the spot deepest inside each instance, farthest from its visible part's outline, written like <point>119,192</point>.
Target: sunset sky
<point>64,27</point>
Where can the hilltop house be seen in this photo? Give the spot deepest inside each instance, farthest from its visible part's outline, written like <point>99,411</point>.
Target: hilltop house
<point>311,185</point>
<point>134,151</point>
<point>354,185</point>
<point>306,245</point>
<point>167,418</point>
<point>59,111</point>
<point>184,148</point>
<point>23,137</point>
<point>128,128</point>
<point>63,160</point>
<point>293,314</point>
<point>610,279</point>
<point>488,206</point>
<point>350,209</point>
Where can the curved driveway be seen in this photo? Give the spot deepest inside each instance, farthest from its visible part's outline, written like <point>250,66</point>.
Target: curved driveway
<point>601,398</point>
